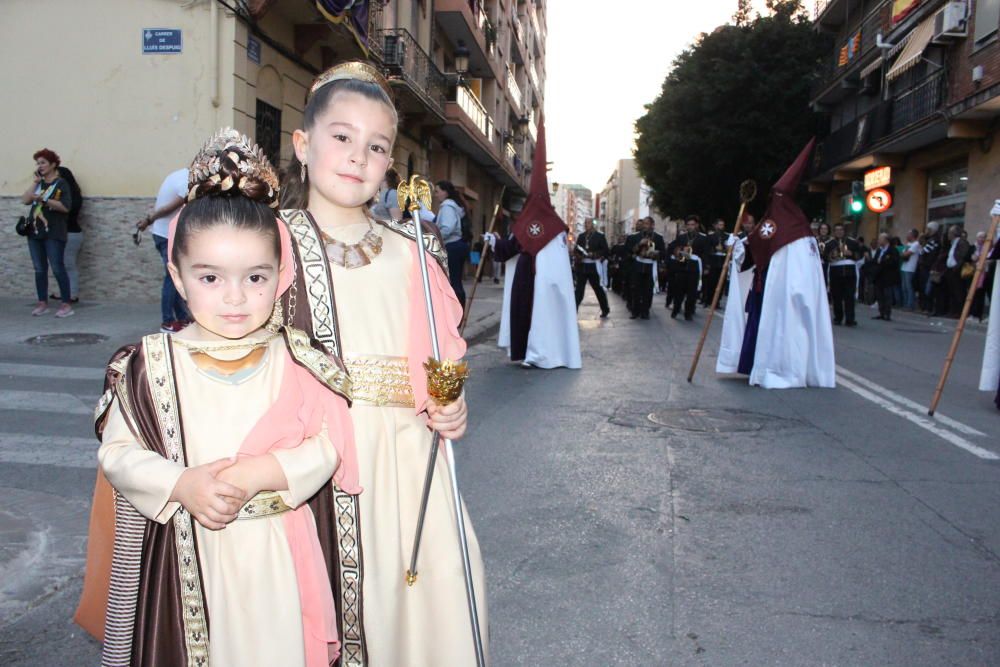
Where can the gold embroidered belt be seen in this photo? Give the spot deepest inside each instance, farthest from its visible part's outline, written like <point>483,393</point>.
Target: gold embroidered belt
<point>265,503</point>
<point>380,380</point>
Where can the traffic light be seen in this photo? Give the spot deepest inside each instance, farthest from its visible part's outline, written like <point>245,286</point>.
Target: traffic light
<point>857,197</point>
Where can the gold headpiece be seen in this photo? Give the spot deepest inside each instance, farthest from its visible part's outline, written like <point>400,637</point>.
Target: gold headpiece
<point>230,160</point>
<point>353,69</point>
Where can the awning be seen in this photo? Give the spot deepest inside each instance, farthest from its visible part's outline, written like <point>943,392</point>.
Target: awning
<point>914,49</point>
<point>873,67</point>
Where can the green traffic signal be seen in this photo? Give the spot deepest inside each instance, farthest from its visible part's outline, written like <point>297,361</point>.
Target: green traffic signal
<point>857,206</point>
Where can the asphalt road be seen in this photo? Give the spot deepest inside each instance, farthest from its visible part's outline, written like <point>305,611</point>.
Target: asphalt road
<point>737,527</point>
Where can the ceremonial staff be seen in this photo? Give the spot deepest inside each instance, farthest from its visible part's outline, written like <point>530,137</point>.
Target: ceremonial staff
<point>748,190</point>
<point>987,244</point>
<point>444,384</point>
<point>479,270</point>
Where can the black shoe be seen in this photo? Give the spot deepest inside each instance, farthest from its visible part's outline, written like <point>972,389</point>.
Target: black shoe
<point>633,316</point>
<point>878,317</point>
<point>838,322</point>
<point>644,316</point>
<point>673,315</point>
<point>852,324</point>
<point>605,314</point>
<point>688,318</point>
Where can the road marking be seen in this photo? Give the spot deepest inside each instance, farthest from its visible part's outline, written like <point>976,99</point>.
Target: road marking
<point>63,451</point>
<point>903,400</point>
<point>923,422</point>
<point>45,401</point>
<point>58,372</point>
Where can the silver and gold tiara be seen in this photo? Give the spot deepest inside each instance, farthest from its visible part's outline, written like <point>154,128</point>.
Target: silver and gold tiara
<point>356,70</point>
<point>206,174</point>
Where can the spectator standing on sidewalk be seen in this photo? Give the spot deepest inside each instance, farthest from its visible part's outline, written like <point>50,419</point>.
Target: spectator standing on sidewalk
<point>955,286</point>
<point>908,272</point>
<point>169,200</point>
<point>927,284</point>
<point>449,221</point>
<point>50,199</point>
<point>74,236</point>
<point>885,275</point>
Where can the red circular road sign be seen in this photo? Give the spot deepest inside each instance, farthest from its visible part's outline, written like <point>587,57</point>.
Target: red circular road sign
<point>879,200</point>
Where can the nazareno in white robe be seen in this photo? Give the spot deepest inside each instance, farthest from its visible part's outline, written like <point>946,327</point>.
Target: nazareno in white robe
<point>554,336</point>
<point>991,352</point>
<point>795,338</point>
<point>735,320</point>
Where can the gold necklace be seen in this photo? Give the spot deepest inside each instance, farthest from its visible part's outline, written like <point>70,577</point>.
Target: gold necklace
<point>354,255</point>
<point>249,346</point>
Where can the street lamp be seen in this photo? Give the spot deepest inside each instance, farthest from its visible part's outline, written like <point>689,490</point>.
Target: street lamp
<point>461,60</point>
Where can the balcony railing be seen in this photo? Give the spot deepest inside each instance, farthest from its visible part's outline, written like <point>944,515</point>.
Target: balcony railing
<point>918,102</point>
<point>853,48</point>
<point>533,76</point>
<point>511,154</point>
<point>405,59</point>
<point>475,111</point>
<point>908,107</point>
<point>818,8</point>
<point>514,90</point>
<point>532,128</point>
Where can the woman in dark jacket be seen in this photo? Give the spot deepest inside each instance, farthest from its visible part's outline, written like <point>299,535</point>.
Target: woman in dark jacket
<point>50,200</point>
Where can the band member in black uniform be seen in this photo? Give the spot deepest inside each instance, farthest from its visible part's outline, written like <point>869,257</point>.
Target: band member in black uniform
<point>689,254</point>
<point>591,248</point>
<point>841,254</point>
<point>716,258</point>
<point>645,247</point>
<point>617,266</point>
<point>822,238</point>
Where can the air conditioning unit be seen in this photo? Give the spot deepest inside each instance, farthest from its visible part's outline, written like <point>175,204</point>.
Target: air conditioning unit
<point>951,22</point>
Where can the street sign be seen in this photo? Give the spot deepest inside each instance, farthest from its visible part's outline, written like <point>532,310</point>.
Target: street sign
<point>878,178</point>
<point>879,200</point>
<point>161,40</point>
<point>253,49</point>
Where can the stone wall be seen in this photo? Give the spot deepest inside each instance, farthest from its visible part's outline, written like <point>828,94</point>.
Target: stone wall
<point>112,268</point>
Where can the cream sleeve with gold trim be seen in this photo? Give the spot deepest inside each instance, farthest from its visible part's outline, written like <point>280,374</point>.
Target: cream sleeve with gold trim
<point>145,478</point>
<point>307,467</point>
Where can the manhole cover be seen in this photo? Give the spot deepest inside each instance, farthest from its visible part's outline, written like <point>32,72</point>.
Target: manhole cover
<point>63,339</point>
<point>708,420</point>
<point>918,331</point>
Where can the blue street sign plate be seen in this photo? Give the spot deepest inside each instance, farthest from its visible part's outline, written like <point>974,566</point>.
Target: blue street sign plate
<point>161,40</point>
<point>253,49</point>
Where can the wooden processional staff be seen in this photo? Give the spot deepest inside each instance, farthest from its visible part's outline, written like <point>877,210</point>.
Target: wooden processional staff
<point>748,191</point>
<point>965,313</point>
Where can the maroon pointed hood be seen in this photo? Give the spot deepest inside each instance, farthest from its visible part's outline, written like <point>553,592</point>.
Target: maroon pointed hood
<point>538,223</point>
<point>784,221</point>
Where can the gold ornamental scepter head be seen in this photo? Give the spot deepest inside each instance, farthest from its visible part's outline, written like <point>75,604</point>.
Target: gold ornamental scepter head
<point>445,379</point>
<point>748,191</point>
<point>417,191</point>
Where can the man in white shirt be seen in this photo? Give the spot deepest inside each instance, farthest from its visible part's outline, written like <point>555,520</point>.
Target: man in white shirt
<point>909,269</point>
<point>169,200</point>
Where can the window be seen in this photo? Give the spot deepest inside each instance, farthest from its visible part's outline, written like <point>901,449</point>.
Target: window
<point>946,195</point>
<point>268,131</point>
<point>987,19</point>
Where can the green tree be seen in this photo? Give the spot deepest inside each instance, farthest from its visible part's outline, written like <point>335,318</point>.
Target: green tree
<point>734,106</point>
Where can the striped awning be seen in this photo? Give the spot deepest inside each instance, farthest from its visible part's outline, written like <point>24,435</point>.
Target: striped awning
<point>873,67</point>
<point>914,49</point>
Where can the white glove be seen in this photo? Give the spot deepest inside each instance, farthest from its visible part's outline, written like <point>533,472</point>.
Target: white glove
<point>491,238</point>
<point>996,208</point>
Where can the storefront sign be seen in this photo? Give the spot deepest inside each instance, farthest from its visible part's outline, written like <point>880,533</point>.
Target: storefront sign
<point>161,40</point>
<point>878,178</point>
<point>879,200</point>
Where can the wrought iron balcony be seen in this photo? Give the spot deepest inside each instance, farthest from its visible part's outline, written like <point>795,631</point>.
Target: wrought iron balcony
<point>514,90</point>
<point>407,62</point>
<point>922,100</point>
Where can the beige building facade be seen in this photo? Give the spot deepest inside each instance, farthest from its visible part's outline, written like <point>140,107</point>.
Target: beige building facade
<point>122,119</point>
<point>625,200</point>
